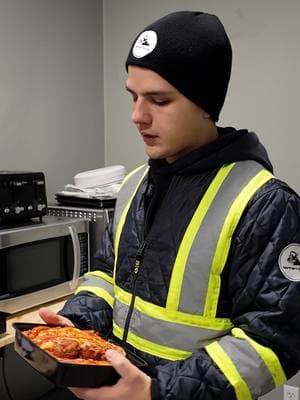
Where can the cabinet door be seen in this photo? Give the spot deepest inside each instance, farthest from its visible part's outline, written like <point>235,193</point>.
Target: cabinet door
<point>19,381</point>
<point>3,391</point>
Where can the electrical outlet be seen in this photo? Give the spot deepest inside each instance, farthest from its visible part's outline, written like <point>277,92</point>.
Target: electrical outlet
<point>290,392</point>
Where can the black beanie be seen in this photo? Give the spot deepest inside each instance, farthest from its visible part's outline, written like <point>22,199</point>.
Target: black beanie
<point>191,51</point>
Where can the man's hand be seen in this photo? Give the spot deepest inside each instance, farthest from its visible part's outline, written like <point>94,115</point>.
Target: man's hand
<point>51,318</point>
<point>133,384</point>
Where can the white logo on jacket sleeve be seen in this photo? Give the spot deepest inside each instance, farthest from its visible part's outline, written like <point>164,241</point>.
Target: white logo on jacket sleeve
<point>144,44</point>
<point>289,262</point>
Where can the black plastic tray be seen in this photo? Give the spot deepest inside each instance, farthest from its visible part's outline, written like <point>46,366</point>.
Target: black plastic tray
<point>65,374</point>
<point>77,201</point>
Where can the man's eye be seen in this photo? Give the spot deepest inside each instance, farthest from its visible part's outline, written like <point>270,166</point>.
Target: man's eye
<point>161,102</point>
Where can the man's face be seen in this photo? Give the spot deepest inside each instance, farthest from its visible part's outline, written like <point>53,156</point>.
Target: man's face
<point>169,123</point>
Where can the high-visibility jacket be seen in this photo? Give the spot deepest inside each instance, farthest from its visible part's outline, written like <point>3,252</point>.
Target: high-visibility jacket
<point>188,320</point>
<point>205,285</point>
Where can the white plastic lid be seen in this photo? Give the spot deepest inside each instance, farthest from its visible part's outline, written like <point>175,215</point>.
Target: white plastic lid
<point>100,176</point>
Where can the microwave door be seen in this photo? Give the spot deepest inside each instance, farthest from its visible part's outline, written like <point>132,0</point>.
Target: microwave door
<point>69,261</point>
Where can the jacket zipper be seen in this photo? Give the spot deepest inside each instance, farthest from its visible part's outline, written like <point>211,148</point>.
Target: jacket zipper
<point>136,270</point>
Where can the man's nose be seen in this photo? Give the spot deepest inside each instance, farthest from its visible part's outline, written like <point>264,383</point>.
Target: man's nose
<point>140,113</point>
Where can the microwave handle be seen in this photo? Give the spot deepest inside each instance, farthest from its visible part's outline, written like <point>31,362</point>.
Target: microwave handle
<point>76,247</point>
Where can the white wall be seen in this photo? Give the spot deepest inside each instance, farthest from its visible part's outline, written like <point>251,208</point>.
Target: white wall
<point>264,89</point>
<point>51,88</point>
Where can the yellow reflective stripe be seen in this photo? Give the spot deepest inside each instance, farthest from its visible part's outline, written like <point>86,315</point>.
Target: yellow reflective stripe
<point>224,241</point>
<point>150,347</point>
<point>98,292</point>
<point>227,367</point>
<point>189,236</point>
<point>102,275</point>
<point>123,217</point>
<point>161,313</point>
<point>132,173</point>
<point>271,360</point>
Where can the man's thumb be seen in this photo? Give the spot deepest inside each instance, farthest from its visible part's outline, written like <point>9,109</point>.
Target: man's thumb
<point>121,364</point>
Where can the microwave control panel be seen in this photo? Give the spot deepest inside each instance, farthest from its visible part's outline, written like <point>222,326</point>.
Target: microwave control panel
<point>84,251</point>
<point>22,195</point>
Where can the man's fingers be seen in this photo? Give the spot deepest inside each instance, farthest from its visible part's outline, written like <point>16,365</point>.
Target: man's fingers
<point>122,365</point>
<point>51,318</point>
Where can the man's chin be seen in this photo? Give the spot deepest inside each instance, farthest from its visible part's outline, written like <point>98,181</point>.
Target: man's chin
<point>154,155</point>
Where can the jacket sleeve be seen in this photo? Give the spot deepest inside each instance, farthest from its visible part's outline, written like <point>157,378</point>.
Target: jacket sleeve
<point>91,306</point>
<point>261,291</point>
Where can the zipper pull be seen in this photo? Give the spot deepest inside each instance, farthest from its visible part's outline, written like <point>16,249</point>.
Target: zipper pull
<point>150,190</point>
<point>136,269</point>
<point>138,259</point>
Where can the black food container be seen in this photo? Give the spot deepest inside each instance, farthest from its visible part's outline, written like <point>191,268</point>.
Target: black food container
<point>66,374</point>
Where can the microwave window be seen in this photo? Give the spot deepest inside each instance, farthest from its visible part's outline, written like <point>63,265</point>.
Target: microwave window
<point>35,265</point>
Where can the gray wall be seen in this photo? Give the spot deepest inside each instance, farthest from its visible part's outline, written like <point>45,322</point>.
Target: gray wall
<point>52,78</point>
<point>264,90</point>
<point>51,88</point>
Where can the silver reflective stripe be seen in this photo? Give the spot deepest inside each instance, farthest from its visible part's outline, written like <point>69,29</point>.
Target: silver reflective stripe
<point>197,270</point>
<point>171,334</point>
<point>126,191</point>
<point>181,325</point>
<point>249,364</point>
<point>89,280</point>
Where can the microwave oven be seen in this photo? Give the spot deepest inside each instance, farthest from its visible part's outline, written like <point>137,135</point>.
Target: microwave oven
<point>42,261</point>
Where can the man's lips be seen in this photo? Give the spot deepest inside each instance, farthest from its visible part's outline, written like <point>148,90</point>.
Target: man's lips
<point>149,138</point>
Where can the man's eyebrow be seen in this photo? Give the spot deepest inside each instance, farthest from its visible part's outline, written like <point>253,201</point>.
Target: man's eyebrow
<point>129,90</point>
<point>151,92</point>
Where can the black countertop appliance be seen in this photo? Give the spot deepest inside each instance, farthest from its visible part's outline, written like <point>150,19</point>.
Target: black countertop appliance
<point>22,196</point>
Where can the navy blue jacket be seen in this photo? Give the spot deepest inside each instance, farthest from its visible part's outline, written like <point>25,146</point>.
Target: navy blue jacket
<point>255,294</point>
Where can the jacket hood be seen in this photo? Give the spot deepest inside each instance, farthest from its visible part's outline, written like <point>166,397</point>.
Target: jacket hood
<point>232,145</point>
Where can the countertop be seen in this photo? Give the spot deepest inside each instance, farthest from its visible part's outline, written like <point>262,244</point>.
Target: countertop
<point>29,315</point>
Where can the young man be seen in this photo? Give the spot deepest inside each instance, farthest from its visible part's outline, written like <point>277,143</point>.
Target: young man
<point>197,272</point>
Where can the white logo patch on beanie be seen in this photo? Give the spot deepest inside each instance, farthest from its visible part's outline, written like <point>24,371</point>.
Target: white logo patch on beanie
<point>144,44</point>
<point>289,262</point>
